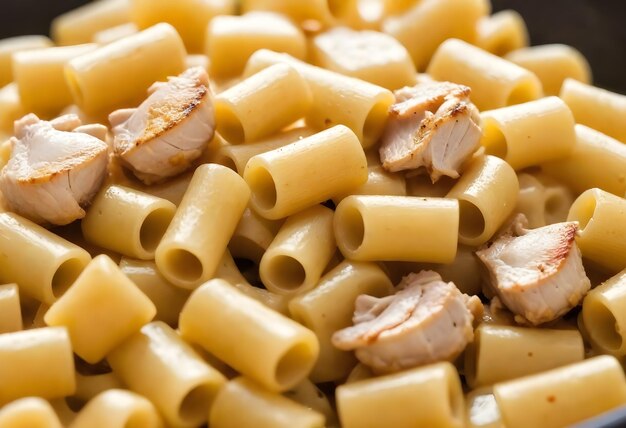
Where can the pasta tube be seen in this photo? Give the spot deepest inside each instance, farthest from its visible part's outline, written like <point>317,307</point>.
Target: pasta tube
<point>502,32</point>
<point>12,45</point>
<point>31,412</point>
<point>80,25</point>
<point>10,310</point>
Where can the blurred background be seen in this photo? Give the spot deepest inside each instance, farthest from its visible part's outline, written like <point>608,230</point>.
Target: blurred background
<point>595,27</point>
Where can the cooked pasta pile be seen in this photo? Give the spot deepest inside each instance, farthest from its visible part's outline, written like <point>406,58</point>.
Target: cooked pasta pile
<point>272,213</point>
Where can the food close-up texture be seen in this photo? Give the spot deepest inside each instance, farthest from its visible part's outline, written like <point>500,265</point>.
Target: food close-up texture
<point>312,213</point>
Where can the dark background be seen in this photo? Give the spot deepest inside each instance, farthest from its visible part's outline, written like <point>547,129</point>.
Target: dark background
<point>596,27</point>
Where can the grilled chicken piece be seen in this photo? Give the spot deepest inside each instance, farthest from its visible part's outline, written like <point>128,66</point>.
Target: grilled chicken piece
<point>55,168</point>
<point>432,125</point>
<point>169,130</point>
<point>538,274</point>
<point>427,320</point>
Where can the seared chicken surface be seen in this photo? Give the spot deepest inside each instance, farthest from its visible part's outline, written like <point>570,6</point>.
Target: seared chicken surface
<point>55,168</point>
<point>432,125</point>
<point>538,274</point>
<point>426,321</point>
<point>169,130</point>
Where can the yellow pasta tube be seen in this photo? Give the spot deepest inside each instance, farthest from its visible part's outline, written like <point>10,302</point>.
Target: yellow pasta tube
<point>256,341</point>
<point>299,175</point>
<point>12,45</point>
<point>552,64</point>
<point>106,36</point>
<point>379,182</point>
<point>427,24</point>
<point>579,170</point>
<point>595,107</point>
<point>252,236</point>
<point>119,74</point>
<point>563,396</point>
<point>36,362</point>
<point>481,410</point>
<point>487,193</point>
<point>495,82</point>
<point>167,298</point>
<point>40,77</point>
<point>542,204</point>
<point>27,244</point>
<point>100,315</point>
<point>118,408</point>
<point>602,233</point>
<point>502,32</point>
<point>202,226</point>
<point>11,109</point>
<point>296,258</point>
<point>31,412</point>
<point>309,395</point>
<point>337,99</point>
<point>231,40</point>
<point>159,365</point>
<point>428,396</point>
<point>500,353</point>
<point>189,17</point>
<point>530,133</point>
<point>80,25</point>
<point>126,221</point>
<point>244,404</point>
<point>375,228</point>
<point>262,104</point>
<point>329,307</point>
<point>10,311</point>
<point>89,386</point>
<point>322,11</point>
<point>604,315</point>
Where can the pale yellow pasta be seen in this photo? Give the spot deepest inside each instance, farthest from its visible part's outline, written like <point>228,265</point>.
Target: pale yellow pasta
<point>379,182</point>
<point>172,190</point>
<point>552,64</point>
<point>11,109</point>
<point>597,108</point>
<point>120,73</point>
<point>495,82</point>
<point>236,157</point>
<point>359,372</point>
<point>542,204</point>
<point>100,315</point>
<point>31,412</point>
<point>252,236</point>
<point>5,153</point>
<point>258,342</point>
<point>427,24</point>
<point>89,386</point>
<point>198,235</point>
<point>428,396</point>
<point>244,404</point>
<point>530,133</point>
<point>197,60</point>
<point>10,310</point>
<point>37,320</point>
<point>79,25</point>
<point>40,77</point>
<point>12,45</point>
<point>118,408</point>
<point>159,365</point>
<point>563,396</point>
<point>329,307</point>
<point>309,395</point>
<point>396,7</point>
<point>189,17</point>
<point>422,185</point>
<point>487,193</point>
<point>300,11</point>
<point>36,362</point>
<point>299,175</point>
<point>364,231</point>
<point>294,261</point>
<point>26,245</point>
<point>602,228</point>
<point>500,353</point>
<point>262,104</point>
<point>502,32</point>
<point>167,298</point>
<point>126,221</point>
<point>342,50</point>
<point>106,36</point>
<point>337,99</point>
<point>481,409</point>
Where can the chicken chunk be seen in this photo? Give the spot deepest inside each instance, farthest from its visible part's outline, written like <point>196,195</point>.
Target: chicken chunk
<point>432,125</point>
<point>55,168</point>
<point>425,321</point>
<point>538,274</point>
<point>169,130</point>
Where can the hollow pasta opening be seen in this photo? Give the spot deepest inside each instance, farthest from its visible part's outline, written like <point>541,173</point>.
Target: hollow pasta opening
<point>263,188</point>
<point>583,209</point>
<point>153,228</point>
<point>285,272</point>
<point>193,408</point>
<point>65,276</point>
<point>556,205</point>
<point>229,125</point>
<point>493,139</point>
<point>294,365</point>
<point>523,92</point>
<point>352,229</point>
<point>602,326</point>
<point>183,265</point>
<point>471,220</point>
<point>228,162</point>
<point>375,123</point>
